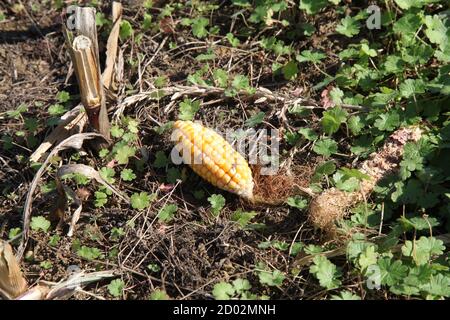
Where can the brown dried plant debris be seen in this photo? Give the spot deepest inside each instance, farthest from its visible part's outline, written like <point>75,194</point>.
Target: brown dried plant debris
<point>12,281</point>
<point>333,204</point>
<point>275,189</point>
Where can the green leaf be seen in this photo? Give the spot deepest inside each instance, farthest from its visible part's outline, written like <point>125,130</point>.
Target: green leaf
<point>325,147</point>
<point>345,295</point>
<point>123,153</point>
<point>366,50</point>
<point>209,55</point>
<point>326,272</point>
<point>39,223</point>
<point>355,125</point>
<point>367,258</point>
<point>290,70</point>
<point>221,77</point>
<point>297,202</point>
<point>101,199</point>
<point>48,187</point>
<point>313,249</point>
<point>89,253</point>
<point>280,245</point>
<point>439,286</point>
<point>394,64</point>
<point>166,213</point>
<point>161,161</point>
<point>127,175</point>
<point>273,278</point>
<point>265,245</point>
<point>349,185</point>
<point>296,248</point>
<point>407,4</point>
<point>116,131</point>
<point>116,287</point>
<point>147,22</point>
<point>199,27</point>
<point>232,39</point>
<point>217,202</point>
<point>161,81</point>
<point>56,109</point>
<point>292,137</point>
<point>411,87</point>
<point>126,30</point>
<point>100,19</point>
<point>54,240</point>
<point>153,267</point>
<point>332,120</point>
<point>17,112</point>
<point>255,120</point>
<point>240,82</point>
<point>148,4</point>
<point>423,249</point>
<point>46,265</point>
<point>243,217</point>
<point>309,56</point>
<point>407,26</point>
<point>349,27</point>
<point>63,96</point>
<point>392,272</point>
<point>107,174</point>
<point>387,121</point>
<point>241,285</point>
<point>132,124</point>
<point>324,169</point>
<point>418,223</point>
<point>117,233</point>
<point>188,109</point>
<point>174,174</point>
<point>223,291</point>
<point>308,133</point>
<point>159,295</point>
<point>141,200</point>
<point>313,6</point>
<point>14,232</point>
<point>308,29</point>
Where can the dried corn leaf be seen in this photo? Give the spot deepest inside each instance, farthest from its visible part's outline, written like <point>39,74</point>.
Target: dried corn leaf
<point>71,122</point>
<point>64,289</point>
<point>111,47</point>
<point>12,282</point>
<point>75,142</point>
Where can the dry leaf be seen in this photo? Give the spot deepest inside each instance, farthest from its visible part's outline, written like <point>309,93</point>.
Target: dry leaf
<point>12,282</point>
<point>75,142</point>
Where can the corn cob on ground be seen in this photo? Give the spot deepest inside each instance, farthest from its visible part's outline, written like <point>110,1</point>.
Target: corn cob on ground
<point>213,158</point>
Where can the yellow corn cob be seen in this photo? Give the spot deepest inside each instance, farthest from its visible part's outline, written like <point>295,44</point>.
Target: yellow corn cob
<point>213,158</point>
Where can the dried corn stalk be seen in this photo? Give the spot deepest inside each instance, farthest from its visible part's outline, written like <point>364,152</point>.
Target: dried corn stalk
<point>83,48</point>
<point>333,204</point>
<point>12,282</point>
<point>213,158</point>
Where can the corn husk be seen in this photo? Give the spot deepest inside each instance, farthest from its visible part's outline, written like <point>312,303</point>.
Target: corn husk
<point>12,282</point>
